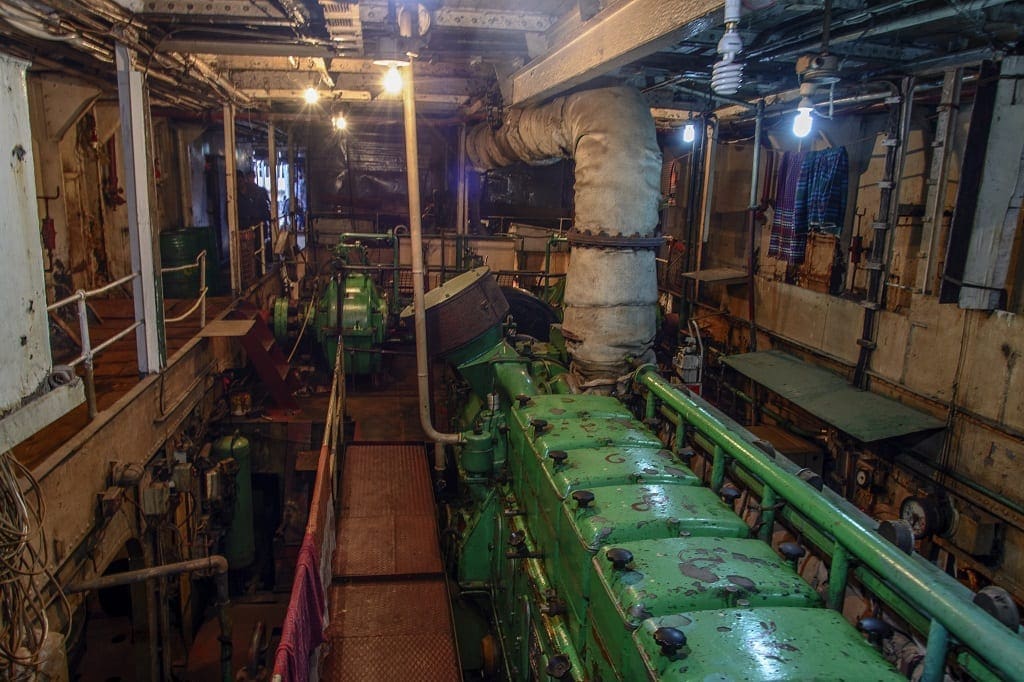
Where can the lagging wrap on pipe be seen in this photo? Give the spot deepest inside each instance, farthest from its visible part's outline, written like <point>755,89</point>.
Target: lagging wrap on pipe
<point>611,290</point>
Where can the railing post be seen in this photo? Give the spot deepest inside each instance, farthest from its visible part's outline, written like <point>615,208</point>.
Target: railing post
<point>717,469</point>
<point>935,653</point>
<point>83,326</point>
<point>768,502</point>
<point>202,288</point>
<point>837,574</point>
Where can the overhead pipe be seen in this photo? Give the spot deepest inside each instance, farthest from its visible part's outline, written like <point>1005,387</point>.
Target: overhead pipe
<point>999,646</point>
<point>216,563</point>
<point>412,167</point>
<point>611,288</point>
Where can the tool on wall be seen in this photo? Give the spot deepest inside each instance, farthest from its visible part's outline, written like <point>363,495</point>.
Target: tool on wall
<point>48,229</point>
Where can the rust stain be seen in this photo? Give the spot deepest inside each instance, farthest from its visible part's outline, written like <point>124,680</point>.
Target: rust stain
<point>742,582</point>
<point>691,570</point>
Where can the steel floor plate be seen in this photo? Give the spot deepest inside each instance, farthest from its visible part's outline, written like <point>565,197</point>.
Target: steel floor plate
<point>386,479</point>
<point>387,546</point>
<point>390,617</point>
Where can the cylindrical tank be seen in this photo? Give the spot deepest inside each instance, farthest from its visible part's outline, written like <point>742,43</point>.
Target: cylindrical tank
<point>240,544</point>
<point>180,247</point>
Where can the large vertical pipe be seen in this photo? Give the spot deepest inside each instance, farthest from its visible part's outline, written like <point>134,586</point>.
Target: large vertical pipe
<point>412,165</point>
<point>611,287</point>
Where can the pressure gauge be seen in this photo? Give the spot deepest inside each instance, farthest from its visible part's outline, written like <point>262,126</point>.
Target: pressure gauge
<point>927,516</point>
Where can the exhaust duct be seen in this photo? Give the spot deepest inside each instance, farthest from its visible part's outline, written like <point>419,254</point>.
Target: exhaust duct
<point>611,288</point>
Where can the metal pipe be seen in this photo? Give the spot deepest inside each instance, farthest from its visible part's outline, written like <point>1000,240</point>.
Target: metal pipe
<point>216,563</point>
<point>755,176</point>
<point>416,237</point>
<point>935,653</point>
<point>975,628</point>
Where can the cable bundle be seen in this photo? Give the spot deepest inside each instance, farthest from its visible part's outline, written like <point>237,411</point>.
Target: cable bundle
<point>23,572</point>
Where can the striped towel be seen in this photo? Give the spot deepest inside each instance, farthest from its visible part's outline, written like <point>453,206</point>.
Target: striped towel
<point>788,238</point>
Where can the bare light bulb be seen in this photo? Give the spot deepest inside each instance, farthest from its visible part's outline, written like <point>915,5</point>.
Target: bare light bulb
<point>311,95</point>
<point>340,123</point>
<point>802,124</point>
<point>393,81</point>
<point>689,133</point>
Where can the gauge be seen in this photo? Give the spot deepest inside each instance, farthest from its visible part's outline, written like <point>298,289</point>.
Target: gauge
<point>926,515</point>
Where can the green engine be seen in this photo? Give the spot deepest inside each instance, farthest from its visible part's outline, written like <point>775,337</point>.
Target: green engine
<point>603,555</point>
<point>350,307</point>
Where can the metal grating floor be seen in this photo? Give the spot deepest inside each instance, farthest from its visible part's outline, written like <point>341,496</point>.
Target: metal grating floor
<point>390,616</point>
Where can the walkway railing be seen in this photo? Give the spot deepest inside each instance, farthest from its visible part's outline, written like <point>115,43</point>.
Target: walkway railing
<point>88,352</point>
<point>298,654</point>
<point>200,303</point>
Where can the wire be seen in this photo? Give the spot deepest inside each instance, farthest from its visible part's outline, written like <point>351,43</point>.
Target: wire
<point>24,625</point>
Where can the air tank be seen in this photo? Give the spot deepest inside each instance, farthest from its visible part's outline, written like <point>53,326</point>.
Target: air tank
<point>240,543</point>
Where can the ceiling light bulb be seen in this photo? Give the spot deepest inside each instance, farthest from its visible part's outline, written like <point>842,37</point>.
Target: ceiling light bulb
<point>802,124</point>
<point>689,133</point>
<point>311,95</point>
<point>340,123</point>
<point>393,80</point>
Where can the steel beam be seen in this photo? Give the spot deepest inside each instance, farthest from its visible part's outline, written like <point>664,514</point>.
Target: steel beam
<point>140,194</point>
<point>237,9</point>
<point>938,189</point>
<point>617,36</point>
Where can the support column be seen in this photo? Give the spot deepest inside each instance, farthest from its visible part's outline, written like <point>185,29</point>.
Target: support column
<point>272,168</point>
<point>292,203</point>
<point>935,203</point>
<point>147,292</point>
<point>461,225</point>
<point>184,177</point>
<point>231,183</point>
<point>1000,197</point>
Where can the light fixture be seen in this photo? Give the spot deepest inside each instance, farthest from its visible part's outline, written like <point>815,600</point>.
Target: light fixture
<point>393,80</point>
<point>311,95</point>
<point>340,122</point>
<point>727,73</point>
<point>802,124</point>
<point>689,132</point>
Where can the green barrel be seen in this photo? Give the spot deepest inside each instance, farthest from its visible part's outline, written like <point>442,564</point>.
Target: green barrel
<point>240,546</point>
<point>180,247</point>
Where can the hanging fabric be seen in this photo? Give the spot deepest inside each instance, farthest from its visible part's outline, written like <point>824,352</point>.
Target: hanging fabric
<point>828,174</point>
<point>789,224</point>
<point>811,194</point>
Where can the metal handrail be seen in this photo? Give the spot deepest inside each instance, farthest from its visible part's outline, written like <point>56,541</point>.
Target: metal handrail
<point>88,352</point>
<point>921,584</point>
<point>200,303</point>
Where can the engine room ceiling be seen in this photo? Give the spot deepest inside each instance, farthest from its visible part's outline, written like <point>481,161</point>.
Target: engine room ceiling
<point>475,54</point>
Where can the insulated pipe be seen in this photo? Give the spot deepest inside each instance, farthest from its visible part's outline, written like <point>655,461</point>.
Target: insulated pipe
<point>412,166</point>
<point>216,563</point>
<point>991,640</point>
<point>611,288</point>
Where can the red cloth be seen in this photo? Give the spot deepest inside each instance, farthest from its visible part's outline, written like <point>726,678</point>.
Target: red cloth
<point>303,625</point>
